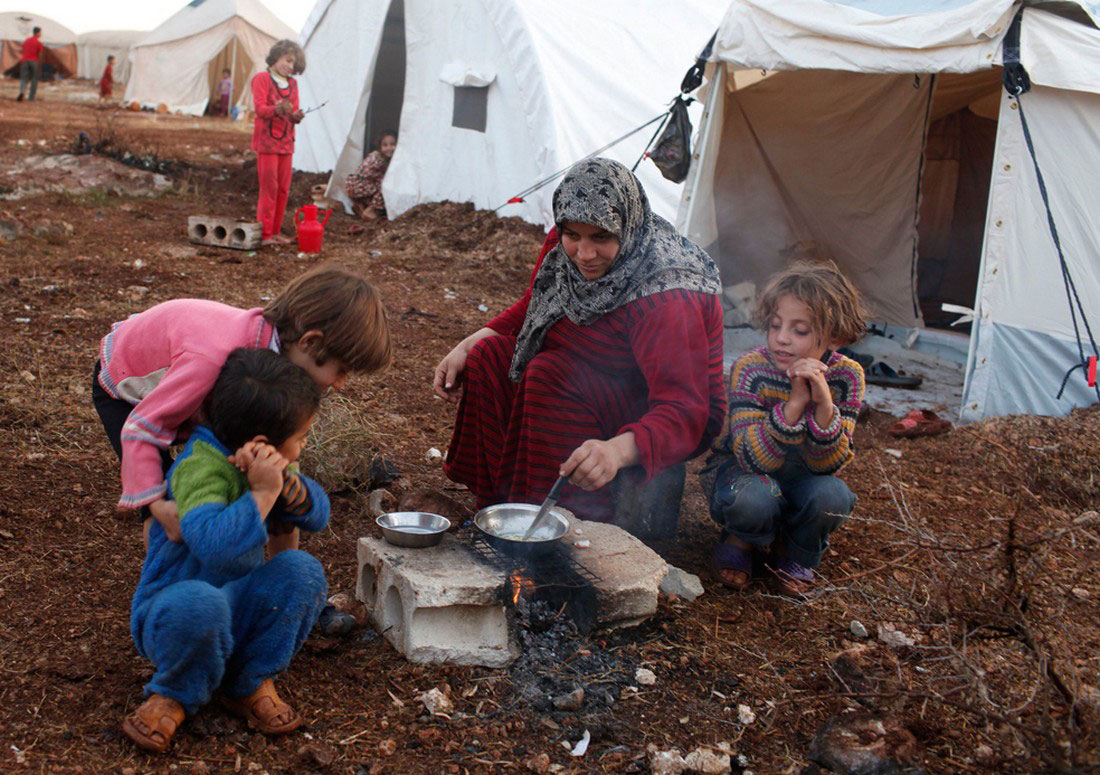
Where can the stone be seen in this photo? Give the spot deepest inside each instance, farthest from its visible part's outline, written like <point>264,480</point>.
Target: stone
<point>630,572</point>
<point>857,744</point>
<point>436,701</point>
<point>745,715</point>
<point>381,502</point>
<point>707,761</point>
<point>857,629</point>
<point>9,230</point>
<point>437,604</point>
<point>666,762</point>
<point>645,677</point>
<point>539,764</point>
<point>684,585</point>
<point>574,700</point>
<point>892,636</point>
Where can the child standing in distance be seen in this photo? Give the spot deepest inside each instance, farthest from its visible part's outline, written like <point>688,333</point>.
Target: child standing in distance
<point>156,367</point>
<point>364,186</point>
<point>210,612</point>
<point>106,83</point>
<point>225,92</point>
<point>275,99</point>
<point>793,406</point>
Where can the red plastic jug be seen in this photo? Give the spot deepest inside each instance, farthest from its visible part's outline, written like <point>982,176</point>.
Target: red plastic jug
<point>310,230</point>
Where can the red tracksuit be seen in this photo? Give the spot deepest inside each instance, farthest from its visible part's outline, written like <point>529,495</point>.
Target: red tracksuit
<point>273,142</point>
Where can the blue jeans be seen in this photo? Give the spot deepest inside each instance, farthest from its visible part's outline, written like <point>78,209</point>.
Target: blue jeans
<point>795,505</point>
<point>28,71</point>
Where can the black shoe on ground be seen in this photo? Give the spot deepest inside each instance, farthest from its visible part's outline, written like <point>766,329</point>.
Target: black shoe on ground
<point>19,98</point>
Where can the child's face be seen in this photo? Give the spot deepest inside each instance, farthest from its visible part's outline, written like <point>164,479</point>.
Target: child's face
<point>333,373</point>
<point>293,446</point>
<point>388,145</point>
<point>791,334</point>
<point>284,65</point>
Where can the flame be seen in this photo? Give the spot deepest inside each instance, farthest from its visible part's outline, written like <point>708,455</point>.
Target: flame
<point>522,586</point>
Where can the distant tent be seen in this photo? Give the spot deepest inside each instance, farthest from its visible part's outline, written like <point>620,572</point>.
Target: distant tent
<point>490,96</point>
<point>179,64</point>
<point>59,42</point>
<point>882,132</point>
<point>93,48</point>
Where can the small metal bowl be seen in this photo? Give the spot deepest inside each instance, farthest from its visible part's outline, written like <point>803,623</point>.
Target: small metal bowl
<point>413,529</point>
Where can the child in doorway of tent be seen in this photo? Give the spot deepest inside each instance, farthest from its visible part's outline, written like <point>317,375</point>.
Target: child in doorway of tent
<point>275,98</point>
<point>225,92</point>
<point>364,186</point>
<point>210,612</point>
<point>793,405</point>
<point>106,83</point>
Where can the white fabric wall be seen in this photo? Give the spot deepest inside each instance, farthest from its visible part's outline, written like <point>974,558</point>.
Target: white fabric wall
<point>93,48</point>
<point>1021,295</point>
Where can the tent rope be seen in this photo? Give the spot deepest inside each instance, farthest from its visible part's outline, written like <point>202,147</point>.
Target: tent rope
<point>1017,82</point>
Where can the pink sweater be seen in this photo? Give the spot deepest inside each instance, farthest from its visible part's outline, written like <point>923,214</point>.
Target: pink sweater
<point>164,361</point>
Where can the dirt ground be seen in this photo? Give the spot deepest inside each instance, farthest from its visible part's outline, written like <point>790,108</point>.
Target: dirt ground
<point>970,560</point>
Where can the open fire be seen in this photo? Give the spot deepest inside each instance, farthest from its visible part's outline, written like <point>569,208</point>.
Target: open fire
<point>522,586</point>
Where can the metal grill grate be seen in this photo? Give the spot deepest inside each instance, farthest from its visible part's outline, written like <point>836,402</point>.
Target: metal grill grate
<point>554,568</point>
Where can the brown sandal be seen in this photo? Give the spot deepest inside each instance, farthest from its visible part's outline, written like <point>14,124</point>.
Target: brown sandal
<point>154,722</point>
<point>264,711</point>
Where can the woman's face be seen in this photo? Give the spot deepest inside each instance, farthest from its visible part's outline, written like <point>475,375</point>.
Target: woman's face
<point>387,145</point>
<point>591,249</point>
<point>284,65</point>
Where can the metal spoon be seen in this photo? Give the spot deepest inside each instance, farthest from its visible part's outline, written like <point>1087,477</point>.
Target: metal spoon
<point>544,509</point>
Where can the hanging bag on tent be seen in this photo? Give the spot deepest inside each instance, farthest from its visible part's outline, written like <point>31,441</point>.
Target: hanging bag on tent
<point>672,152</point>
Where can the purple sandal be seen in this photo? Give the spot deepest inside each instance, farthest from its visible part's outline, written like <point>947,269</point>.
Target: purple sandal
<point>734,558</point>
<point>792,579</point>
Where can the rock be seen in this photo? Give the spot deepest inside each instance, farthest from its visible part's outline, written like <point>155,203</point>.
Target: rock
<point>682,584</point>
<point>382,471</point>
<point>432,501</point>
<point>199,767</point>
<point>894,637</point>
<point>745,715</point>
<point>857,629</point>
<point>137,292</point>
<point>433,455</point>
<point>707,761</point>
<point>321,755</point>
<point>436,702</point>
<point>1080,593</point>
<point>857,744</point>
<point>381,502</point>
<point>666,762</point>
<point>539,764</point>
<point>341,601</point>
<point>984,754</point>
<point>388,747</point>
<point>9,230</point>
<point>645,677</point>
<point>572,701</point>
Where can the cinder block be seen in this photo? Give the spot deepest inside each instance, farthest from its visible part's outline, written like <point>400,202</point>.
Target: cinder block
<point>437,604</point>
<point>224,232</point>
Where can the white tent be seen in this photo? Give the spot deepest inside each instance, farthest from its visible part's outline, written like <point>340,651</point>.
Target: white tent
<point>93,48</point>
<point>880,131</point>
<point>491,96</point>
<point>58,42</point>
<point>179,64</point>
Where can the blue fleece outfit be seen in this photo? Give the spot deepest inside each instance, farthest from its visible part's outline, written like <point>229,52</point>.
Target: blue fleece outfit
<point>210,612</point>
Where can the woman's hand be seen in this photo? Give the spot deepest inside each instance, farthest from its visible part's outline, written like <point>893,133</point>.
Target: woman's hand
<point>448,374</point>
<point>596,462</point>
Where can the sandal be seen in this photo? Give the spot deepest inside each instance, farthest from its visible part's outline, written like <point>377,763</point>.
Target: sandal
<point>919,422</point>
<point>732,565</point>
<point>264,711</point>
<point>881,374</point>
<point>154,722</point>
<point>792,579</point>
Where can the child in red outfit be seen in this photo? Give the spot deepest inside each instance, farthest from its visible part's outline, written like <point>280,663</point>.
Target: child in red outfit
<point>108,79</point>
<point>275,99</point>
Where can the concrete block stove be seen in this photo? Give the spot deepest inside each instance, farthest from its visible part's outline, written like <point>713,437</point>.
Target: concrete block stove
<point>446,603</point>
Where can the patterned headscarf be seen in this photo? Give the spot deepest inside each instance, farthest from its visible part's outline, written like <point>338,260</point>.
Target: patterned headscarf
<point>652,256</point>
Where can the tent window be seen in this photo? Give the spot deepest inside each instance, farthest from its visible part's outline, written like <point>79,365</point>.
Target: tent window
<point>471,103</point>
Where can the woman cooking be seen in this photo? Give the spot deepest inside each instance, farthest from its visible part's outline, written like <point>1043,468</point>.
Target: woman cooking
<point>612,359</point>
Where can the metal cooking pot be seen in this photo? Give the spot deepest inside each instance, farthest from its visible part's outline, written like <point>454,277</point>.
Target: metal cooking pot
<point>505,523</point>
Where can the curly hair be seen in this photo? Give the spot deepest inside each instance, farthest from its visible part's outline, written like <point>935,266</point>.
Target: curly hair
<point>283,47</point>
<point>836,308</point>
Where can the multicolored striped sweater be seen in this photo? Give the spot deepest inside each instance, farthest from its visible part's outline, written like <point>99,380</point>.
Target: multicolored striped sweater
<point>759,436</point>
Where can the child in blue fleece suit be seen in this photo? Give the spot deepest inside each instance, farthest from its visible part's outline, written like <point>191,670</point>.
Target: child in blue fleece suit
<point>210,612</point>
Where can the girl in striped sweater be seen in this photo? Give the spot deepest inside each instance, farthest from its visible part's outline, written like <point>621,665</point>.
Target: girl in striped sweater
<point>793,406</point>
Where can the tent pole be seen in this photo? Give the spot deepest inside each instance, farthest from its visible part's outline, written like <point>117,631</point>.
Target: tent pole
<point>232,76</point>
